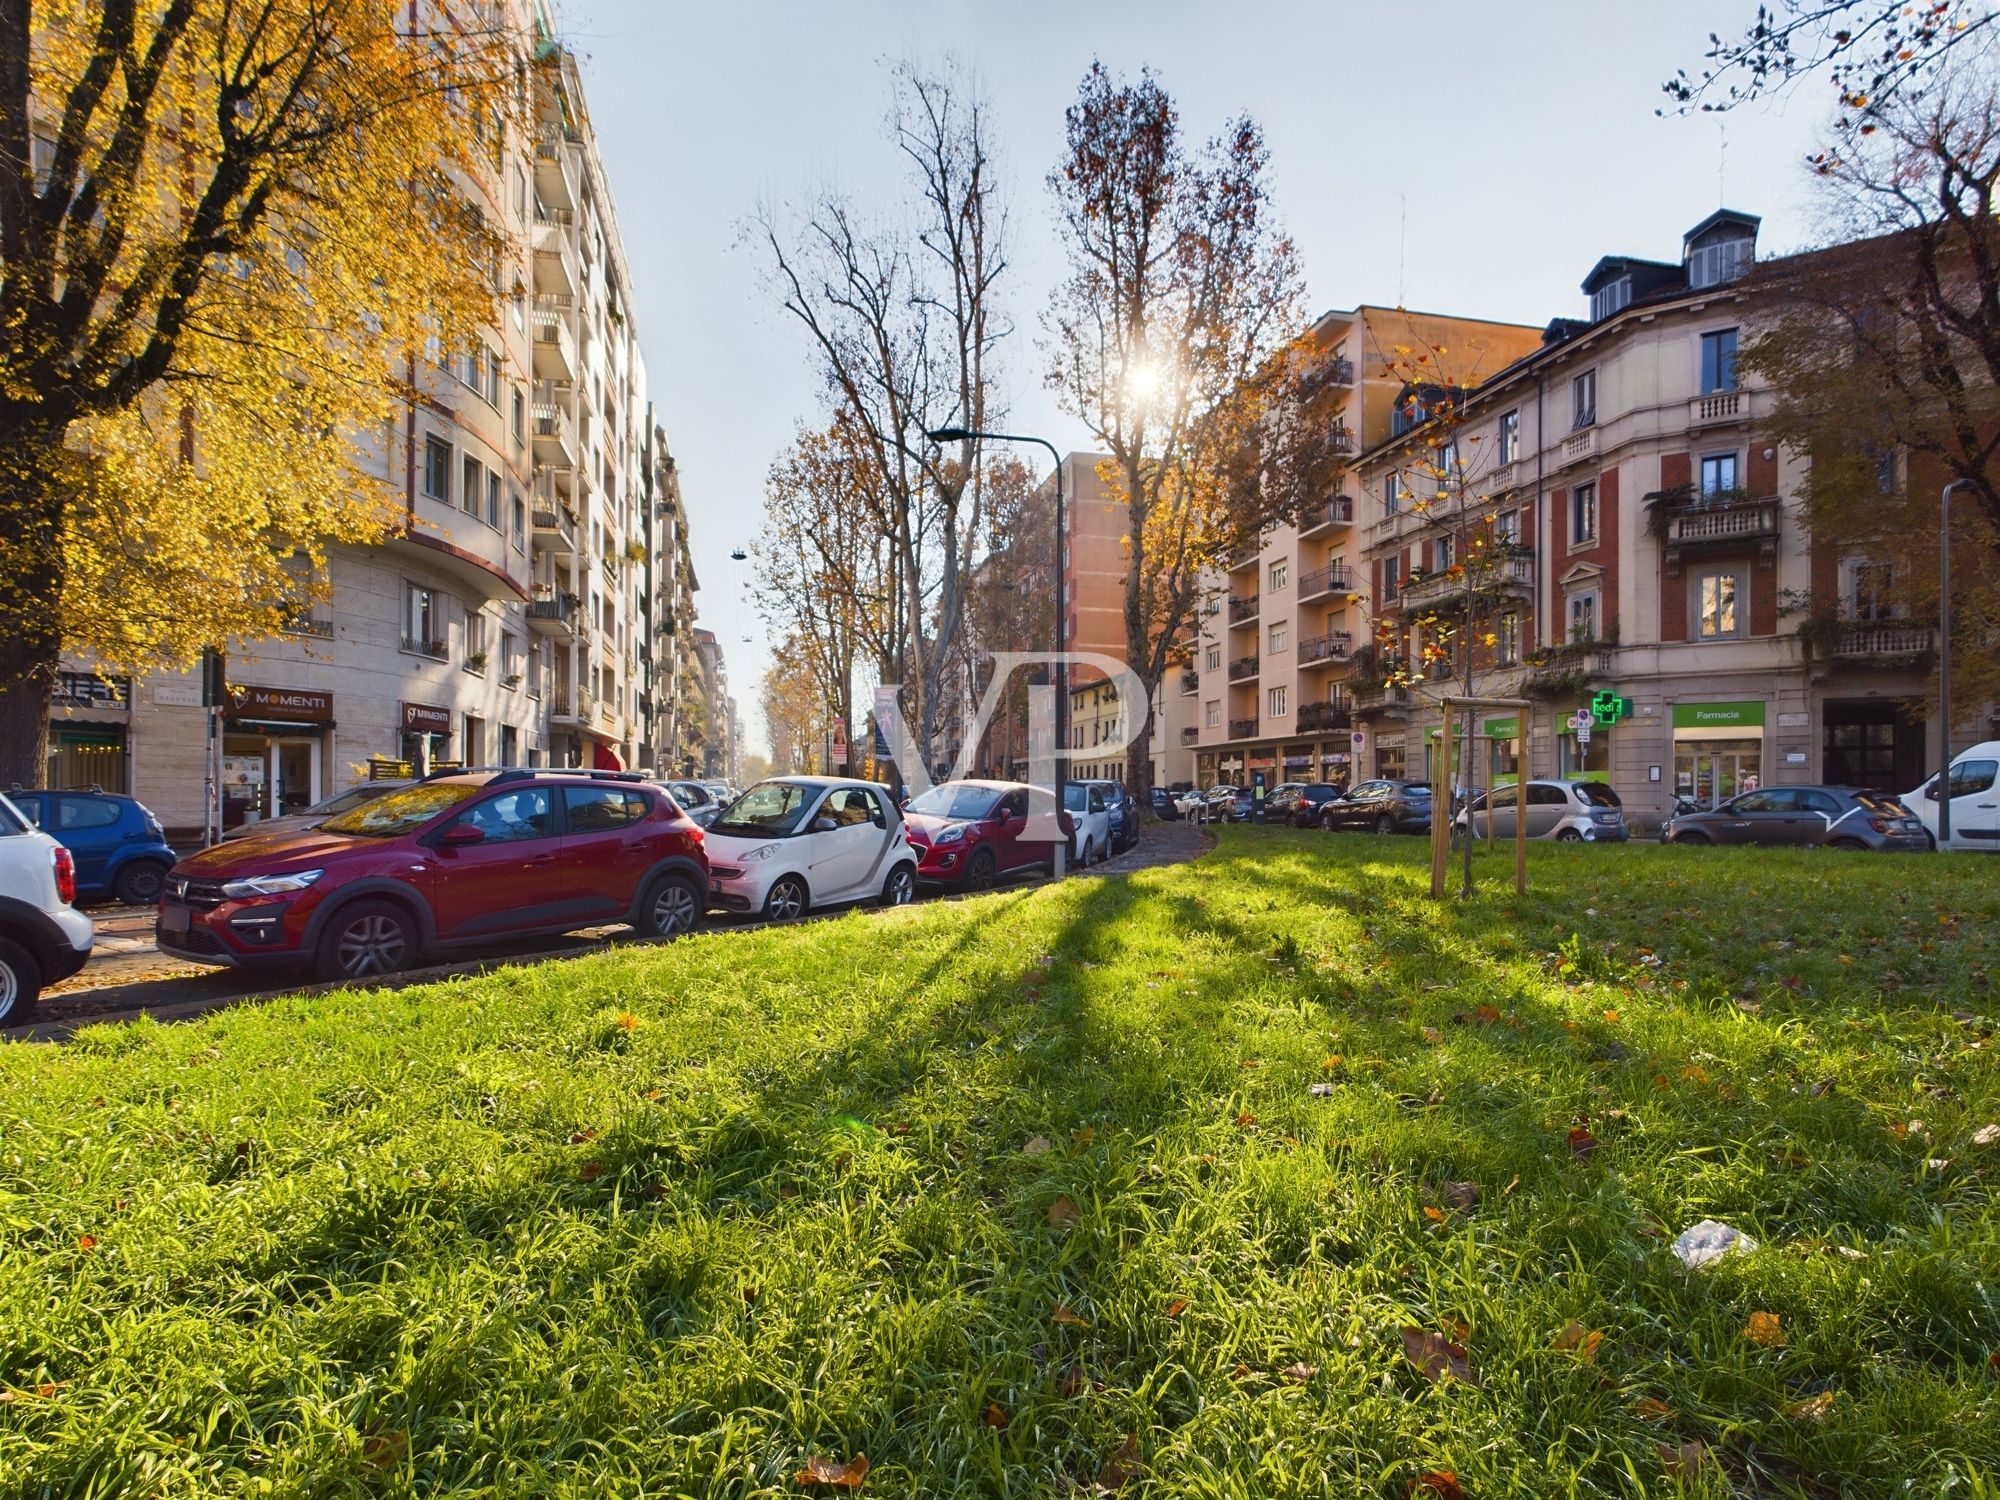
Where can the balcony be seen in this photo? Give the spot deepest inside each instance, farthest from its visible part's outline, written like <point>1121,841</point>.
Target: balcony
<point>1509,575</point>
<point>572,709</point>
<point>1243,610</point>
<point>1335,713</point>
<point>1330,649</point>
<point>1735,525</point>
<point>420,645</point>
<point>1340,371</point>
<point>555,432</point>
<point>1190,680</point>
<point>1243,729</point>
<point>1243,669</point>
<point>1873,640</point>
<point>1190,735</point>
<point>555,258</point>
<point>1335,511</point>
<point>555,528</point>
<point>1716,409</point>
<point>1246,557</point>
<point>1381,698</point>
<point>1332,579</point>
<point>1341,440</point>
<point>554,616</point>
<point>303,624</point>
<point>555,340</point>
<point>555,170</point>
<point>1579,447</point>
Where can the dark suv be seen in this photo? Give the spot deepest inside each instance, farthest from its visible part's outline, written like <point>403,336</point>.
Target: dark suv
<point>1298,802</point>
<point>454,861</point>
<point>1381,807</point>
<point>120,849</point>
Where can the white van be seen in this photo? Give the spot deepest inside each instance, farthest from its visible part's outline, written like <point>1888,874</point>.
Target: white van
<point>1975,800</point>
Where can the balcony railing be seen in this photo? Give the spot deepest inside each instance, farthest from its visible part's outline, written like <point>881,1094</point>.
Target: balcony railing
<point>1341,440</point>
<point>1243,729</point>
<point>1332,714</point>
<point>1335,510</point>
<point>1718,406</point>
<point>1861,639</point>
<point>557,523</point>
<point>554,616</point>
<point>1243,668</point>
<point>1242,609</point>
<point>1190,735</point>
<point>1724,525</point>
<point>1382,695</point>
<point>1244,557</point>
<point>1341,371</point>
<point>1332,579</point>
<point>1580,446</point>
<point>300,624</point>
<point>1190,680</point>
<point>1319,648</point>
<point>424,646</point>
<point>1508,574</point>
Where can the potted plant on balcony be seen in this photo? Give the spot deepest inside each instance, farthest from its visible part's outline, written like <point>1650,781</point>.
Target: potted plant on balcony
<point>475,661</point>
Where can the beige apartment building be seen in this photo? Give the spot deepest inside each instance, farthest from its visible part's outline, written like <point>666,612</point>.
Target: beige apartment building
<point>1639,562</point>
<point>518,617</point>
<point>1263,696</point>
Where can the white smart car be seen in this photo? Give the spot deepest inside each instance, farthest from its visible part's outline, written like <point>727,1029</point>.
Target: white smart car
<point>793,843</point>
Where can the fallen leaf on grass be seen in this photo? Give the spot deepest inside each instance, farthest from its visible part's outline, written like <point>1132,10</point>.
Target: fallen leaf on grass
<point>1299,1373</point>
<point>581,1137</point>
<point>1455,1327</point>
<point>1766,1329</point>
<point>1986,1135</point>
<point>827,1474</point>
<point>1651,1409</point>
<point>1461,1195</point>
<point>1036,1147</point>
<point>1245,1120</point>
<point>1436,1356</point>
<point>1435,1215</point>
<point>1176,1307</point>
<point>1812,1409</point>
<point>590,1171</point>
<point>627,1021</point>
<point>1584,1341</point>
<point>994,1416</point>
<point>46,1389</point>
<point>1430,1034</point>
<point>1063,1212</point>
<point>1581,1143</point>
<point>383,1449</point>
<point>1682,1460</point>
<point>86,1242</point>
<point>1439,1482</point>
<point>1085,1136</point>
<point>1067,1317</point>
<point>1118,1469</point>
<point>1333,1061</point>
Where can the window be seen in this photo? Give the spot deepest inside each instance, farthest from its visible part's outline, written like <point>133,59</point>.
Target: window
<point>520,419</point>
<point>86,812</point>
<point>1583,400</point>
<point>437,469</point>
<point>1607,300</point>
<point>1211,714</point>
<point>1507,640</point>
<point>1442,553</point>
<point>1583,617</point>
<point>1391,572</point>
<point>1507,528</point>
<point>1281,573</point>
<point>1868,591</point>
<point>423,620</point>
<point>510,658</point>
<point>1718,361</point>
<point>468,496</point>
<point>1392,493</point>
<point>1278,698</point>
<point>520,522</point>
<point>1447,462</point>
<point>1215,658</point>
<point>1712,265</point>
<point>602,809</point>
<point>511,816</point>
<point>492,390</point>
<point>1971,777</point>
<point>475,637</point>
<point>510,745</point>
<point>493,498</point>
<point>1718,475</point>
<point>1583,514</point>
<point>1717,616</point>
<point>1281,637</point>
<point>1509,446</point>
<point>850,807</point>
<point>535,668</point>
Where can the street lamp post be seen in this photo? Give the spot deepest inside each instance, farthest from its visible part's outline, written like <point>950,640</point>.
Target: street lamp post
<point>959,435</point>
<point>1944,664</point>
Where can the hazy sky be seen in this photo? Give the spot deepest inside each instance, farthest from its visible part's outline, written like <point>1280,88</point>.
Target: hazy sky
<point>1462,157</point>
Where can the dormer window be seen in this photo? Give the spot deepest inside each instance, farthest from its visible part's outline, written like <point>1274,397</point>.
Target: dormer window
<point>1720,262</point>
<point>1610,298</point>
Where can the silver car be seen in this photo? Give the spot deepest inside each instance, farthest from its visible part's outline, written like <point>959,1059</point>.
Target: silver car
<point>1570,812</point>
<point>318,813</point>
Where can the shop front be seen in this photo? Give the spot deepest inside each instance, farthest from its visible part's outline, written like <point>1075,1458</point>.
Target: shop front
<point>1503,750</point>
<point>89,732</point>
<point>1389,756</point>
<point>1718,750</point>
<point>426,737</point>
<point>1336,764</point>
<point>275,752</point>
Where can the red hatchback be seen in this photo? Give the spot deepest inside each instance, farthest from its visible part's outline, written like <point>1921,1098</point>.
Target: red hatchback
<point>453,861</point>
<point>970,833</point>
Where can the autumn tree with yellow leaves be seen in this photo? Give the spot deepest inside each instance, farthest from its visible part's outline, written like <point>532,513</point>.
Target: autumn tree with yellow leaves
<point>228,228</point>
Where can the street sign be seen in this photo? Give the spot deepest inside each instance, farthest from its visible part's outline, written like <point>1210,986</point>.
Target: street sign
<point>1581,721</point>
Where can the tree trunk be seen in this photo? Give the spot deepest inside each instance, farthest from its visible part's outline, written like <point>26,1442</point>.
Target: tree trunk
<point>1139,760</point>
<point>31,581</point>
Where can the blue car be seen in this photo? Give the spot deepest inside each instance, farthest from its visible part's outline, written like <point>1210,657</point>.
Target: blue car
<point>121,852</point>
<point>1124,813</point>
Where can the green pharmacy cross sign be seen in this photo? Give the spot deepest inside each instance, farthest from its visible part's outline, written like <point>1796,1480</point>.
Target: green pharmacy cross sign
<point>1608,708</point>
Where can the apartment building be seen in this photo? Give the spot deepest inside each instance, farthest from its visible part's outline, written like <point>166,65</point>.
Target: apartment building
<point>513,619</point>
<point>1610,532</point>
<point>1263,697</point>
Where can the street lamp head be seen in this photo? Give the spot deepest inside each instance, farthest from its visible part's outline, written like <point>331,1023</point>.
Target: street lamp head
<point>949,434</point>
<point>739,555</point>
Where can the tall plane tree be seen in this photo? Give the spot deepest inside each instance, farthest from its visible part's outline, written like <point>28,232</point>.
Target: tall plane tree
<point>1176,340</point>
<point>903,320</point>
<point>225,225</point>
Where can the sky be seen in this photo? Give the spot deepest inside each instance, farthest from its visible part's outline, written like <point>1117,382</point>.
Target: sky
<point>1462,157</point>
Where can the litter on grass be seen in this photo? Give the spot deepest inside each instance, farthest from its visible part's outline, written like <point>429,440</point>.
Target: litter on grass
<point>1708,1242</point>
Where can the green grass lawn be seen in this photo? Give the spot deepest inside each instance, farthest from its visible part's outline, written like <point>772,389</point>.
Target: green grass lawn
<point>1154,1182</point>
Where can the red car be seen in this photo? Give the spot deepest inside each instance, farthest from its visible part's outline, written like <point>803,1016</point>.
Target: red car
<point>453,861</point>
<point>970,833</point>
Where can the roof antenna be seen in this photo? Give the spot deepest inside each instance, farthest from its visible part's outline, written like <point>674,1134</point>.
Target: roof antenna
<point>1402,244</point>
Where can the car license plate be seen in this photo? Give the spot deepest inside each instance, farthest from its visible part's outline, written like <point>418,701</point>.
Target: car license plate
<point>173,918</point>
